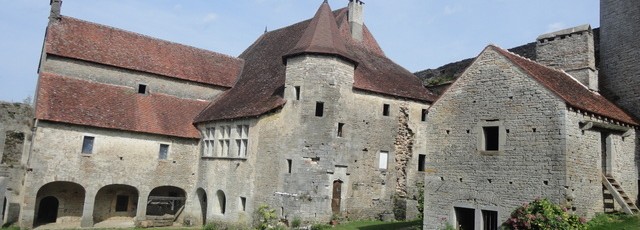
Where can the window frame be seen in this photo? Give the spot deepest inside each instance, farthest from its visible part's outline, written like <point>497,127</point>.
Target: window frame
<point>482,139</point>
<point>166,155</point>
<point>92,145</point>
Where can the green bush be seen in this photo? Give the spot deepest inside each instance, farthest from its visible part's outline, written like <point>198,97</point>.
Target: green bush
<point>542,214</point>
<point>320,226</point>
<point>296,222</point>
<point>267,217</point>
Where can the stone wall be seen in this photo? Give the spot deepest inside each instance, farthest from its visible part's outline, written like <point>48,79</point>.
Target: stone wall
<point>15,137</point>
<point>126,159</point>
<point>619,68</point>
<point>295,157</point>
<point>584,163</point>
<point>530,162</point>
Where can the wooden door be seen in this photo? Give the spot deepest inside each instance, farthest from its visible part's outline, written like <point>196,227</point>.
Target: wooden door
<point>337,196</point>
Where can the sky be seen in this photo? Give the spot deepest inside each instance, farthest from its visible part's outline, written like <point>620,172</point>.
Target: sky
<point>417,34</point>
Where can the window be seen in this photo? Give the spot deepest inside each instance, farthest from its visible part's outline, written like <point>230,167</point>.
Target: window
<point>297,92</point>
<point>384,157</point>
<point>319,109</point>
<point>122,203</point>
<point>209,142</point>
<point>243,139</point>
<point>421,161</point>
<point>340,126</point>
<point>164,152</point>
<point>489,220</point>
<point>243,203</point>
<point>142,89</point>
<point>289,165</point>
<point>223,141</point>
<point>424,115</point>
<point>385,110</point>
<point>87,144</point>
<point>465,217</point>
<point>491,138</point>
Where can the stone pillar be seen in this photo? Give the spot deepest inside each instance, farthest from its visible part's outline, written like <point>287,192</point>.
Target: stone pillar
<point>3,190</point>
<point>87,209</point>
<point>141,210</point>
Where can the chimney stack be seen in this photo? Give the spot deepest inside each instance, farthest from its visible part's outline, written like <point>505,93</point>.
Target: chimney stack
<point>55,9</point>
<point>356,18</point>
<point>571,50</point>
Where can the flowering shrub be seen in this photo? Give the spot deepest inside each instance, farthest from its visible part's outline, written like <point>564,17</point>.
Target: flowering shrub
<point>542,214</point>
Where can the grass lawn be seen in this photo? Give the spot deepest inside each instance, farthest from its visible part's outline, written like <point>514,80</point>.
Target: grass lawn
<point>375,225</point>
<point>614,221</point>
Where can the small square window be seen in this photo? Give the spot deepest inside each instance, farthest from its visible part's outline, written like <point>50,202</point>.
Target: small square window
<point>297,92</point>
<point>87,144</point>
<point>491,138</point>
<point>340,128</point>
<point>384,157</point>
<point>385,110</point>
<point>164,152</point>
<point>243,203</point>
<point>142,89</point>
<point>421,162</point>
<point>424,115</point>
<point>319,109</point>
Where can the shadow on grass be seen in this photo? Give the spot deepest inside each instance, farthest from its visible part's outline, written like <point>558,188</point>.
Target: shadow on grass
<point>416,224</point>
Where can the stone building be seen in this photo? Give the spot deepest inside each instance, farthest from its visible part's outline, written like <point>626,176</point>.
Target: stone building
<point>510,129</point>
<point>312,120</point>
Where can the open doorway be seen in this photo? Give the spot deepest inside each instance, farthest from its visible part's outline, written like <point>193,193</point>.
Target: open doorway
<point>47,210</point>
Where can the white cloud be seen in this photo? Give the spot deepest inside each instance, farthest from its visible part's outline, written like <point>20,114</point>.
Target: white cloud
<point>210,17</point>
<point>553,27</point>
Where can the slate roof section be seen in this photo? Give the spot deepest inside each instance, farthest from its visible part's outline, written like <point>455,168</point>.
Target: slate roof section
<point>260,87</point>
<point>568,89</point>
<point>321,36</point>
<point>78,39</point>
<point>75,101</point>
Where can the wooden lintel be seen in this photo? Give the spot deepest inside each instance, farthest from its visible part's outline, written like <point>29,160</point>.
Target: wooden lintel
<point>586,125</point>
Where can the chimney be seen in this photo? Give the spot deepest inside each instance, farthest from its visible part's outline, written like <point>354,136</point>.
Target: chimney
<point>356,18</point>
<point>571,50</point>
<point>55,9</point>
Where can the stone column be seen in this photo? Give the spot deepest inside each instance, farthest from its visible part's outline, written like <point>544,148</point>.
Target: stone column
<point>3,190</point>
<point>141,211</point>
<point>87,209</point>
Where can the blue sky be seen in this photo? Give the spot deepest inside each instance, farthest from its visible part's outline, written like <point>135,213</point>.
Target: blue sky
<point>417,34</point>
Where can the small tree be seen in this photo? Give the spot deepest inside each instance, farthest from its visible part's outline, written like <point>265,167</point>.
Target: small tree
<point>542,214</point>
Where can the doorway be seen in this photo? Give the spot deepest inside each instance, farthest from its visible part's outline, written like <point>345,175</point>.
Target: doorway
<point>606,153</point>
<point>337,196</point>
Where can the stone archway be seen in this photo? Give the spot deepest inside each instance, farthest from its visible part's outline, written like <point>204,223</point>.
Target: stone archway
<point>202,198</point>
<point>117,201</point>
<point>166,200</point>
<point>59,201</point>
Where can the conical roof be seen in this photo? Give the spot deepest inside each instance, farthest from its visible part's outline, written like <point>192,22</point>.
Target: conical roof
<point>321,36</point>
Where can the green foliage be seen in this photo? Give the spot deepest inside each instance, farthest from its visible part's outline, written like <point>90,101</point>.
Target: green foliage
<point>439,80</point>
<point>542,214</point>
<point>320,226</point>
<point>614,221</point>
<point>420,198</point>
<point>267,217</point>
<point>296,222</point>
<point>210,226</point>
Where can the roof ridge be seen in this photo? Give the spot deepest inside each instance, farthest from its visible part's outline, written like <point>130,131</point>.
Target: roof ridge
<point>146,36</point>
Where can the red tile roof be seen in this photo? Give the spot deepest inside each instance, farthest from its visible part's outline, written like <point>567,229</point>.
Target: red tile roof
<point>260,87</point>
<point>570,90</point>
<point>69,100</point>
<point>74,38</point>
<point>321,36</point>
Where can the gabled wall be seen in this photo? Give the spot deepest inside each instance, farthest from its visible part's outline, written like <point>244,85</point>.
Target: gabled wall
<point>530,162</point>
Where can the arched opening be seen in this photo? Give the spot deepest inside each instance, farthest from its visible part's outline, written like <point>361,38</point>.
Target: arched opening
<point>166,200</point>
<point>202,197</point>
<point>116,201</point>
<point>222,202</point>
<point>58,201</point>
<point>48,210</point>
